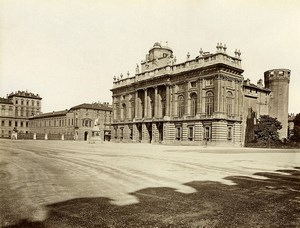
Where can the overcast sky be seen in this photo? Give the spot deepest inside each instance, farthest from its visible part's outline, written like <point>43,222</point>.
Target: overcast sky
<point>69,51</point>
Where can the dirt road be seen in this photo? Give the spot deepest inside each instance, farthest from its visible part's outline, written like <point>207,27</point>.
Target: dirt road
<point>76,184</point>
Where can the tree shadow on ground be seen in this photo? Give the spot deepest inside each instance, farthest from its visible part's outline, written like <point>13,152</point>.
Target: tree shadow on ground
<point>251,202</point>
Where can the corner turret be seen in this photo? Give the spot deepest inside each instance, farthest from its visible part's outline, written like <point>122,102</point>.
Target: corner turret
<point>277,80</point>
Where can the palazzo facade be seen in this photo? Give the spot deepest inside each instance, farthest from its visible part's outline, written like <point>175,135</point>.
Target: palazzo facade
<point>198,101</point>
<point>15,111</point>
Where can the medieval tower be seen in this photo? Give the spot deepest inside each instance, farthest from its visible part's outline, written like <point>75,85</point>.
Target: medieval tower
<point>277,80</point>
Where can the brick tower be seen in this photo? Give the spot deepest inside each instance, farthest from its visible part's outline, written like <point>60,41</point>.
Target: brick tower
<point>277,80</point>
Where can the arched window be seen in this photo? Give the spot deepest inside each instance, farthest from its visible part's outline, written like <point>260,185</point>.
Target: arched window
<point>180,106</point>
<point>124,110</point>
<point>209,103</point>
<point>193,104</point>
<point>229,102</point>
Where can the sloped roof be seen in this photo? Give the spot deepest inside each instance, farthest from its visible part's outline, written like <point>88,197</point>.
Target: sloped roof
<point>50,114</point>
<point>94,106</point>
<point>5,101</point>
<point>255,86</point>
<point>25,94</point>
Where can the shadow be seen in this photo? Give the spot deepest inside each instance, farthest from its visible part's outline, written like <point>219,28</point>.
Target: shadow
<point>250,202</point>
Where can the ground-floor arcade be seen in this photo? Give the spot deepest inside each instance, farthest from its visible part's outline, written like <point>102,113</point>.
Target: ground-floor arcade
<point>220,132</point>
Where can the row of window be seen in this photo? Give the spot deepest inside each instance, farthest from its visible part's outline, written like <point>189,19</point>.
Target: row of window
<point>179,133</point>
<point>27,102</point>
<point>49,123</point>
<point>206,136</point>
<point>10,123</point>
<point>209,106</point>
<point>61,123</point>
<point>5,111</point>
<point>26,112</point>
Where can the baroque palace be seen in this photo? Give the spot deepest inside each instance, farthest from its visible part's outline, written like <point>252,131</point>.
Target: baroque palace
<point>200,101</point>
<point>21,112</point>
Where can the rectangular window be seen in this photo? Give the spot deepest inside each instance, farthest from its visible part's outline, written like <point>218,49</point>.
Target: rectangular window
<point>207,133</point>
<point>2,123</point>
<point>9,123</point>
<point>191,133</point>
<point>178,133</point>
<point>16,123</point>
<point>21,123</point>
<point>229,133</point>
<point>131,133</point>
<point>121,133</point>
<point>193,84</point>
<point>2,110</point>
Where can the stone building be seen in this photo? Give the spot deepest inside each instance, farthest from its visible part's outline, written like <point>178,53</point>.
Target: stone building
<point>15,111</point>
<point>74,123</point>
<point>204,100</point>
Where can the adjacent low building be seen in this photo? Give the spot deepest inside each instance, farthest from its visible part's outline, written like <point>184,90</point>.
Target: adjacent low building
<point>75,123</point>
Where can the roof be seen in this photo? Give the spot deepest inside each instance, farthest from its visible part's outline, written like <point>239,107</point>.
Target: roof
<point>24,94</point>
<point>94,106</point>
<point>5,101</point>
<point>255,86</point>
<point>50,114</point>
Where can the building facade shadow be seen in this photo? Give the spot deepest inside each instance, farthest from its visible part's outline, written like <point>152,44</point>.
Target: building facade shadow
<point>250,202</point>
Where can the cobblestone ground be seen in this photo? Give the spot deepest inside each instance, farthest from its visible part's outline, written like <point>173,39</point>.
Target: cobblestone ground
<point>76,184</point>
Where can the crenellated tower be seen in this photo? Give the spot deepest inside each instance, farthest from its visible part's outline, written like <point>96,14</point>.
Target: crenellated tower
<point>277,80</point>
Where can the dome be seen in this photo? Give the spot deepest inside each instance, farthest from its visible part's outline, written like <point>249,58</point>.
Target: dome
<point>157,45</point>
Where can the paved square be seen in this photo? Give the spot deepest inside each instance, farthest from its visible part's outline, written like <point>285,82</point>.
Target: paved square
<point>76,184</point>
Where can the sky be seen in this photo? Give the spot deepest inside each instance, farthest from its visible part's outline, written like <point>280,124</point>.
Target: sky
<point>69,51</point>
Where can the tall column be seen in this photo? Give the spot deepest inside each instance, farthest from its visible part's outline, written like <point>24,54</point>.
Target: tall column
<point>186,98</point>
<point>136,112</point>
<point>155,102</point>
<point>235,95</point>
<point>146,104</point>
<point>218,96</point>
<point>199,96</point>
<point>129,116</point>
<point>172,100</point>
<point>168,100</point>
<point>175,113</point>
<point>114,108</point>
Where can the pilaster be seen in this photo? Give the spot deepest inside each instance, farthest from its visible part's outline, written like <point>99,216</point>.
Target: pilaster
<point>146,103</point>
<point>168,103</point>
